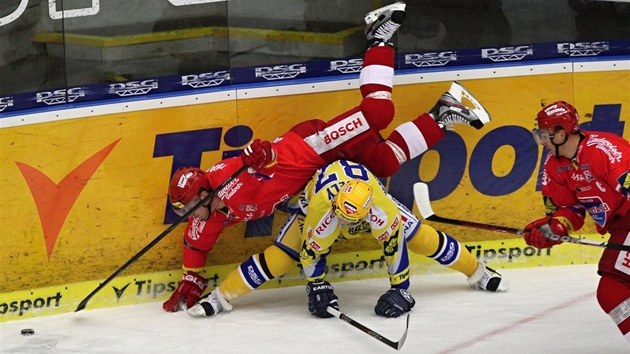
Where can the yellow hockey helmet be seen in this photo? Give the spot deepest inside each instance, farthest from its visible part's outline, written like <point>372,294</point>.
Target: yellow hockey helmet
<point>354,201</point>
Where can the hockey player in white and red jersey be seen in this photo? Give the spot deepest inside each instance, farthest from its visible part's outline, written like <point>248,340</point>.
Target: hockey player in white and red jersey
<point>344,200</point>
<point>586,171</point>
<point>280,169</point>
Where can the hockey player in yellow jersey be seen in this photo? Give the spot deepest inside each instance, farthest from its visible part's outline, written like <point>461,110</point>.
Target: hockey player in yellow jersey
<point>345,200</point>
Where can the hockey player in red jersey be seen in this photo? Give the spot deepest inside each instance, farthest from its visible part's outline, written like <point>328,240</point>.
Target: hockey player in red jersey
<point>281,169</point>
<point>587,171</point>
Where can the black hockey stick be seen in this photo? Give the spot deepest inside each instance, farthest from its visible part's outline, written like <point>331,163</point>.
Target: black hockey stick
<point>160,237</point>
<point>421,195</point>
<point>396,345</point>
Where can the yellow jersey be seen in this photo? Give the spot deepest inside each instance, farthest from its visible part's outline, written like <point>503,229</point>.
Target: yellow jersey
<point>384,221</point>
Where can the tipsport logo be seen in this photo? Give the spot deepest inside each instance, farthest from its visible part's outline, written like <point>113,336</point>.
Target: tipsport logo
<point>280,72</point>
<point>503,54</point>
<point>203,80</point>
<point>59,96</point>
<point>133,88</point>
<point>350,66</point>
<point>508,254</point>
<point>583,49</point>
<point>5,102</point>
<point>35,304</point>
<point>424,60</point>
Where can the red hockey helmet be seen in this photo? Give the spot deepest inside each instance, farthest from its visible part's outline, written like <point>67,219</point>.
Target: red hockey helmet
<point>558,114</point>
<point>185,186</point>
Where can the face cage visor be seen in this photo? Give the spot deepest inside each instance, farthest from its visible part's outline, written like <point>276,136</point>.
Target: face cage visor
<point>344,219</point>
<point>542,136</point>
<point>181,209</point>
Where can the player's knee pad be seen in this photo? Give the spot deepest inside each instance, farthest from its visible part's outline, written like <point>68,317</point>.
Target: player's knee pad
<point>379,112</point>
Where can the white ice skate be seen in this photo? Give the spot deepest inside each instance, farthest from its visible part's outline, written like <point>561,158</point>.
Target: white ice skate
<point>382,23</point>
<point>485,278</point>
<point>373,15</point>
<point>452,109</point>
<point>210,305</point>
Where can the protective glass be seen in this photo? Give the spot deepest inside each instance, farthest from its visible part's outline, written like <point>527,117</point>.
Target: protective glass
<point>181,209</point>
<point>542,136</point>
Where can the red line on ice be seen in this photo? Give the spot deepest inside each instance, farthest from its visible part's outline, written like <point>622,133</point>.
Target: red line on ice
<point>511,326</point>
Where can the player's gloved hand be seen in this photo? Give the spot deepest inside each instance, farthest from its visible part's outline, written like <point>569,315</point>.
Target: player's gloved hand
<point>188,292</point>
<point>258,155</point>
<point>394,303</point>
<point>321,295</point>
<point>535,232</point>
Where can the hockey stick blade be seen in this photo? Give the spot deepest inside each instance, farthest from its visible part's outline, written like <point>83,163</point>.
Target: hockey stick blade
<point>396,345</point>
<point>159,237</point>
<point>421,196</point>
<point>458,91</point>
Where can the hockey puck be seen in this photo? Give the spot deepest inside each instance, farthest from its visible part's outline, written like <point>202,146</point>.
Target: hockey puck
<point>28,332</point>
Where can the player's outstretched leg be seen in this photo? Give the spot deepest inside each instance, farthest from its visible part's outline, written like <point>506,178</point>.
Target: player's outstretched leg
<point>382,23</point>
<point>485,278</point>
<point>450,110</point>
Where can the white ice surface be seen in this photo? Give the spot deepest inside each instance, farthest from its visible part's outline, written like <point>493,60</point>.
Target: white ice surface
<point>546,310</point>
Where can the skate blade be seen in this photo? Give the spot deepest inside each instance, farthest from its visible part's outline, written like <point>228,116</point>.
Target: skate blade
<point>460,92</point>
<point>373,15</point>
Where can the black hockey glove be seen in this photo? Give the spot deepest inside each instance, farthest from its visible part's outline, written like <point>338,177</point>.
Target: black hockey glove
<point>394,303</point>
<point>320,296</point>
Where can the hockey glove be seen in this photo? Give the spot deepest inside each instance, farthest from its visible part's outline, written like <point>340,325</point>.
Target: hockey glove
<point>535,232</point>
<point>321,295</point>
<point>394,303</point>
<point>188,292</point>
<point>259,155</point>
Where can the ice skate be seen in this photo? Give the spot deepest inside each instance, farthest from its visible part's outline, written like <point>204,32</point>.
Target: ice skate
<point>486,278</point>
<point>210,305</point>
<point>450,109</point>
<point>382,23</point>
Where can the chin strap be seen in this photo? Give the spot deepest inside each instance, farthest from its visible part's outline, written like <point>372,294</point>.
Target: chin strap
<point>557,146</point>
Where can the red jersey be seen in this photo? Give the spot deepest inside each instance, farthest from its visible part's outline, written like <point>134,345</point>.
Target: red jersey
<point>250,196</point>
<point>308,146</point>
<point>592,182</point>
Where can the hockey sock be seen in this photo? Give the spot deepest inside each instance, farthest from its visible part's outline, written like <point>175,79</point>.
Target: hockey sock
<point>417,136</point>
<point>377,73</point>
<point>444,249</point>
<point>255,271</point>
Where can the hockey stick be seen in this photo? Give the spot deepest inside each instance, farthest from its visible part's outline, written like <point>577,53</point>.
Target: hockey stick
<point>396,345</point>
<point>421,195</point>
<point>160,237</point>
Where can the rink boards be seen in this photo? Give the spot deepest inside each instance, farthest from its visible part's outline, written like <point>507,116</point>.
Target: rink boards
<point>84,189</point>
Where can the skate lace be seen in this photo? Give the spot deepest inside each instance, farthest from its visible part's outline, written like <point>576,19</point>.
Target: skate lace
<point>386,30</point>
<point>449,118</point>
